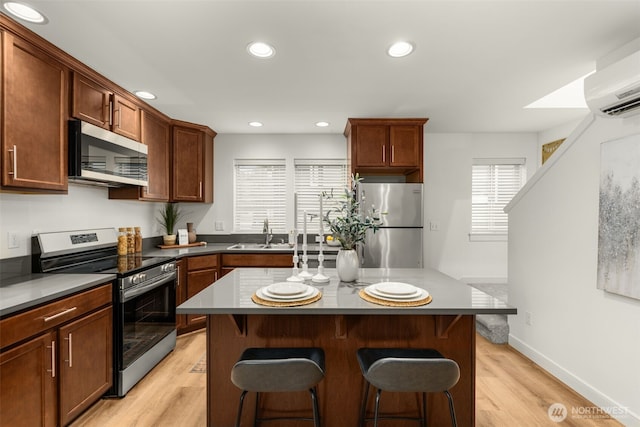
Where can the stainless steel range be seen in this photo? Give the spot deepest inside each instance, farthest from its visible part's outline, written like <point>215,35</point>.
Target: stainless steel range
<point>144,297</point>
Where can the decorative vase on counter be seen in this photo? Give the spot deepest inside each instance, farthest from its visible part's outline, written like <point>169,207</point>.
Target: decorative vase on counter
<point>191,232</point>
<point>347,265</point>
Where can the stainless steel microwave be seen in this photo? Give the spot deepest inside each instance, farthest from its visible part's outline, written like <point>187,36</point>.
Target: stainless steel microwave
<point>101,157</point>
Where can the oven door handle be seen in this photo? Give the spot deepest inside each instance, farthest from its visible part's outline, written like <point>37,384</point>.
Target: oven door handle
<point>129,294</point>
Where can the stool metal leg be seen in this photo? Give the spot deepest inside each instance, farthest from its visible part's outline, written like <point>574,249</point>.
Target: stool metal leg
<point>375,414</point>
<point>257,408</point>
<point>423,421</point>
<point>451,409</point>
<point>363,409</point>
<point>239,416</point>
<point>316,411</point>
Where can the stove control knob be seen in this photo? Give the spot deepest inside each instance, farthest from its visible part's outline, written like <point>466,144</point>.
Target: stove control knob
<point>135,279</point>
<point>167,268</point>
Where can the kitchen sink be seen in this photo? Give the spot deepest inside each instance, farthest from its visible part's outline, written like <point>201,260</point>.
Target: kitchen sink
<point>259,246</point>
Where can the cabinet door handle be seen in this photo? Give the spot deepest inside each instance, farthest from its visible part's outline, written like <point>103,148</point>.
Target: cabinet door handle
<point>116,124</point>
<point>383,153</point>
<point>14,156</point>
<point>393,152</point>
<point>215,276</point>
<point>70,346</point>
<point>200,189</point>
<point>110,113</point>
<point>53,359</point>
<point>62,313</point>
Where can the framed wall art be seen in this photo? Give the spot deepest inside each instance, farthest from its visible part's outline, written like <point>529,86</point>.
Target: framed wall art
<point>619,220</point>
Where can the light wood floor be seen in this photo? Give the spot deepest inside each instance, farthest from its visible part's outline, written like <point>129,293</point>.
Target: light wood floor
<point>510,391</point>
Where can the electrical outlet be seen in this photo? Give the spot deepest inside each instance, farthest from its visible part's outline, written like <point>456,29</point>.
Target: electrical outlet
<point>527,318</point>
<point>434,226</point>
<point>219,225</point>
<point>12,240</point>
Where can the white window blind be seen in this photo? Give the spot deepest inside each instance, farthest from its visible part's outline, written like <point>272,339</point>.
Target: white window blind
<point>494,183</point>
<point>312,177</point>
<point>260,193</point>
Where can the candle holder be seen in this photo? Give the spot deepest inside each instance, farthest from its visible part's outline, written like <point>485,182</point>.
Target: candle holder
<point>304,274</point>
<point>320,277</point>
<point>295,274</point>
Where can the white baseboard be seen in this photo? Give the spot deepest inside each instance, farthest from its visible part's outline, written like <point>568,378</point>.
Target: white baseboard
<point>599,399</point>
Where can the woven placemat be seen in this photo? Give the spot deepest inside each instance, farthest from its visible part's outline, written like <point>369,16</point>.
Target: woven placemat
<point>365,296</point>
<point>255,298</point>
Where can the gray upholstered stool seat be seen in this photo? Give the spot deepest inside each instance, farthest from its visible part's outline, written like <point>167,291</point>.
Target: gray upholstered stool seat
<point>407,370</point>
<point>264,370</point>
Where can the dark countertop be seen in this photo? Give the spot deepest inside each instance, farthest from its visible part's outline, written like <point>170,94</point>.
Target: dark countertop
<point>36,289</point>
<point>232,294</point>
<point>31,290</point>
<point>214,248</point>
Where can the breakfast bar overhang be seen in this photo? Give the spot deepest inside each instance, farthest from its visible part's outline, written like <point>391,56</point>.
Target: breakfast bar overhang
<point>340,322</point>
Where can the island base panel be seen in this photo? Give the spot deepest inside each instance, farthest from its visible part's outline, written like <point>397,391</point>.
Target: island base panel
<point>340,392</point>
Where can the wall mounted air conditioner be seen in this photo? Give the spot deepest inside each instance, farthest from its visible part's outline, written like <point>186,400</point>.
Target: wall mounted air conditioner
<point>614,91</point>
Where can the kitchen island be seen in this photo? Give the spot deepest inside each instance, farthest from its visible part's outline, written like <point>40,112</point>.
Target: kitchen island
<point>340,323</point>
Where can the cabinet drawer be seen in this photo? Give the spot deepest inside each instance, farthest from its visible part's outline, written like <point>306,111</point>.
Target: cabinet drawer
<point>200,262</point>
<point>257,260</point>
<point>21,326</point>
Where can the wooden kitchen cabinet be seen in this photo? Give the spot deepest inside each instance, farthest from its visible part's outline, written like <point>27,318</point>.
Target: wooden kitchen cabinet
<point>181,293</point>
<point>192,163</point>
<point>33,116</point>
<point>57,357</point>
<point>231,261</point>
<point>85,362</point>
<point>28,389</point>
<point>100,106</point>
<point>386,147</point>
<point>156,135</point>
<point>202,271</point>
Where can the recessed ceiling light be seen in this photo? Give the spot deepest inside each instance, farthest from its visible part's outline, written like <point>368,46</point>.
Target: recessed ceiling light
<point>144,94</point>
<point>570,95</point>
<point>400,49</point>
<point>261,49</point>
<point>255,124</point>
<point>25,12</point>
<point>322,124</point>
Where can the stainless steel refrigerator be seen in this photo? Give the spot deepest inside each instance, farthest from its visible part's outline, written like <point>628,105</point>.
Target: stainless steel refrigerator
<point>398,242</point>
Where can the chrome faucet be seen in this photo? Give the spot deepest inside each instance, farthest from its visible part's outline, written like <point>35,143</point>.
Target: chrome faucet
<point>266,232</point>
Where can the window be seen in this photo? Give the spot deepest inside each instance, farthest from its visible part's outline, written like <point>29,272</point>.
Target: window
<point>312,177</point>
<point>260,193</point>
<point>494,182</point>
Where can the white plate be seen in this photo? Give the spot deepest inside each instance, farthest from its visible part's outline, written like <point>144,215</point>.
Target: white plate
<point>286,289</point>
<point>395,289</point>
<point>419,295</point>
<point>265,295</point>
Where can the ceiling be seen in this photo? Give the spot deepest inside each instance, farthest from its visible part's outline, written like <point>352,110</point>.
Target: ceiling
<point>475,65</point>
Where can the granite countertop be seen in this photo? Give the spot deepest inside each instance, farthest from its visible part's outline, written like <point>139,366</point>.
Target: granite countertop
<point>30,290</point>
<point>34,289</point>
<point>232,294</point>
<point>214,248</point>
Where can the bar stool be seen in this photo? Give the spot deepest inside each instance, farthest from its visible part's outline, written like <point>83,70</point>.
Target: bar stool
<point>264,370</point>
<point>407,370</point>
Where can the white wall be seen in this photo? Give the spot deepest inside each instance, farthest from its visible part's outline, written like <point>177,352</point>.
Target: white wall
<point>447,177</point>
<point>89,207</point>
<point>588,338</point>
<point>269,146</point>
<point>84,207</point>
<point>447,197</point>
